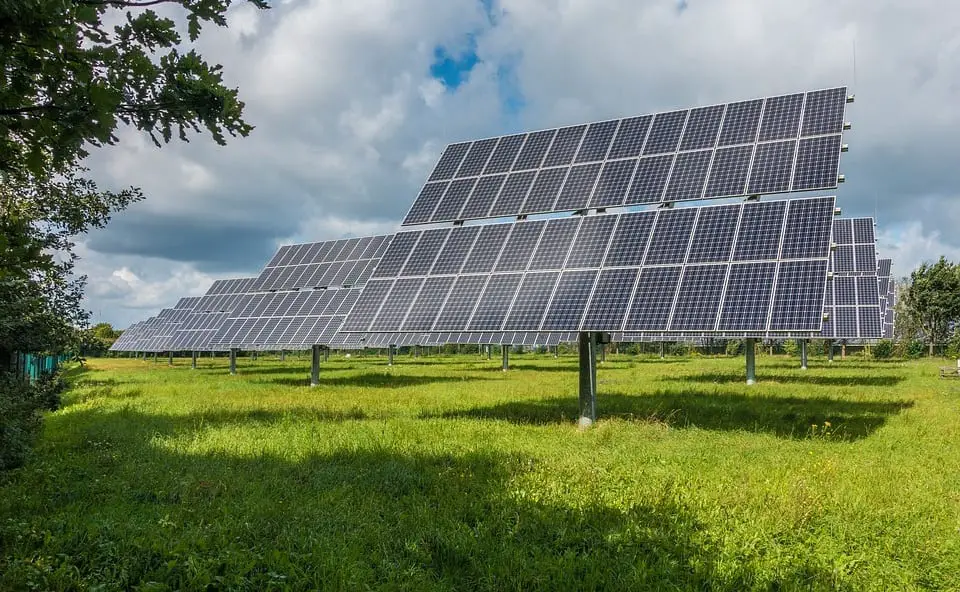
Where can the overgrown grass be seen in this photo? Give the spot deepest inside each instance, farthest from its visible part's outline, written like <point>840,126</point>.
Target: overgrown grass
<point>446,473</point>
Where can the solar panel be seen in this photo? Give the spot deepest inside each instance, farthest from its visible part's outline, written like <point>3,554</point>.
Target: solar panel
<point>773,145</point>
<point>853,306</point>
<point>754,266</point>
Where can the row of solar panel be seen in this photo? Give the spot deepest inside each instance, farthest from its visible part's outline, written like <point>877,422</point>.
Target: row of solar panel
<point>348,249</point>
<point>315,275</point>
<point>277,332</point>
<point>737,232</point>
<point>531,173</point>
<point>773,168</point>
<point>231,286</point>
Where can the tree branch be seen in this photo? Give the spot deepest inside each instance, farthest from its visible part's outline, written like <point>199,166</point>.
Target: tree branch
<point>124,3</point>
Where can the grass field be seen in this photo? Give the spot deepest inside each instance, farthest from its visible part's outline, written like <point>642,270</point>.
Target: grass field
<point>446,473</point>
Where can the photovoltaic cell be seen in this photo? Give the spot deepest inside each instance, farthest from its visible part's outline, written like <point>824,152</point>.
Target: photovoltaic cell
<point>428,303</point>
<point>630,137</point>
<point>714,234</point>
<point>781,117</point>
<point>611,189</point>
<point>818,162</point>
<point>761,226</point>
<point>796,304</point>
<point>671,236</point>
<point>545,191</point>
<point>629,242</point>
<point>665,133</point>
<point>534,149</point>
<point>608,307</point>
<point>867,291</point>
<point>564,146</point>
<point>503,156</point>
<point>577,188</point>
<point>487,249</point>
<point>368,305</point>
<point>597,141</point>
<point>866,258</point>
<point>426,202</point>
<point>649,180</point>
<point>453,200</point>
<point>460,303</point>
<point>396,305</point>
<point>392,262</point>
<point>699,298</point>
<point>520,246</point>
<point>772,165</point>
<point>688,176</point>
<point>457,248</point>
<point>477,157</point>
<point>801,239</point>
<point>555,243</point>
<point>591,243</point>
<point>651,305</point>
<point>747,299</point>
<point>863,230</point>
<point>823,113</point>
<point>843,259</point>
<point>426,251</point>
<point>728,174</point>
<point>513,194</point>
<point>450,161</point>
<point>483,196</point>
<point>703,127</point>
<point>569,300</point>
<point>741,122</point>
<point>495,302</point>
<point>531,301</point>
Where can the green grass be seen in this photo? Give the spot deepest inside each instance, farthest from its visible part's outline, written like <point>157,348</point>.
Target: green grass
<point>446,473</point>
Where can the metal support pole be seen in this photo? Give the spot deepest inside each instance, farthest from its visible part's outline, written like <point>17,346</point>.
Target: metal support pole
<point>506,356</point>
<point>830,352</point>
<point>233,361</point>
<point>843,351</point>
<point>390,355</point>
<point>326,354</point>
<point>587,343</point>
<point>315,366</point>
<point>154,357</point>
<point>603,354</point>
<point>283,355</point>
<point>253,356</point>
<point>416,351</point>
<point>489,351</point>
<point>193,360</point>
<point>803,354</point>
<point>750,347</point>
<point>169,358</point>
<point>662,350</point>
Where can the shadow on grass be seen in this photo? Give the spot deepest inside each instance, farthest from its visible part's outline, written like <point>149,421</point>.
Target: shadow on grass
<point>817,379</point>
<point>371,380</point>
<point>785,417</point>
<point>357,517</point>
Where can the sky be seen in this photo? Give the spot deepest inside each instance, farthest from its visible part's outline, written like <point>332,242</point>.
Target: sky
<point>354,101</point>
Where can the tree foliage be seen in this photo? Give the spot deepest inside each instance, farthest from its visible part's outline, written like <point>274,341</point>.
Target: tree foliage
<point>932,300</point>
<point>73,72</point>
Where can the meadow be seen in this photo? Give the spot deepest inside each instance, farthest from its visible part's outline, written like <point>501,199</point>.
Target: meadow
<point>445,473</point>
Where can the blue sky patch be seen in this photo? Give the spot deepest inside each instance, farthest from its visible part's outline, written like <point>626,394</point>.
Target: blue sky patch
<point>451,69</point>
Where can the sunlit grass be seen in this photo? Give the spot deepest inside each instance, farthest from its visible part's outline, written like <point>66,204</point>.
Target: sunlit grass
<point>446,473</point>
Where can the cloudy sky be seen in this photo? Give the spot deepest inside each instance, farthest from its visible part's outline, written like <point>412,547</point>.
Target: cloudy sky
<point>353,102</point>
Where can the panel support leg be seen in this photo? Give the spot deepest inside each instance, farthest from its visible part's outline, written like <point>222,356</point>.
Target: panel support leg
<point>489,351</point>
<point>315,366</point>
<point>506,356</point>
<point>843,351</point>
<point>326,354</point>
<point>416,351</point>
<point>603,354</point>
<point>750,349</point>
<point>390,355</point>
<point>587,343</point>
<point>803,354</point>
<point>283,355</point>
<point>233,361</point>
<point>169,358</point>
<point>830,352</point>
<point>154,357</point>
<point>253,356</point>
<point>193,360</point>
<point>662,350</point>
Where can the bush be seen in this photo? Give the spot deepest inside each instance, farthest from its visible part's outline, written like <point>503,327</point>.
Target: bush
<point>21,404</point>
<point>915,349</point>
<point>679,349</point>
<point>883,350</point>
<point>735,347</point>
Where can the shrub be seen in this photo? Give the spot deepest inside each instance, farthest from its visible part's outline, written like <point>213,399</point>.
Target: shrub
<point>21,404</point>
<point>915,349</point>
<point>883,350</point>
<point>679,349</point>
<point>735,347</point>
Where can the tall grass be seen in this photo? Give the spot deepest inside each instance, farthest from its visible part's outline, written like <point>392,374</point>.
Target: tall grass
<point>446,473</point>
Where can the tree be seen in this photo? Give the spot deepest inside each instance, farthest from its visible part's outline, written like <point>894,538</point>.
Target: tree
<point>68,81</point>
<point>932,301</point>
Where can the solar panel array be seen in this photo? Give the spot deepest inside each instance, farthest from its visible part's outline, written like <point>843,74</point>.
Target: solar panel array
<point>209,314</point>
<point>763,146</point>
<point>853,294</point>
<point>756,266</point>
<point>292,314</point>
<point>156,333</point>
<point>888,296</point>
